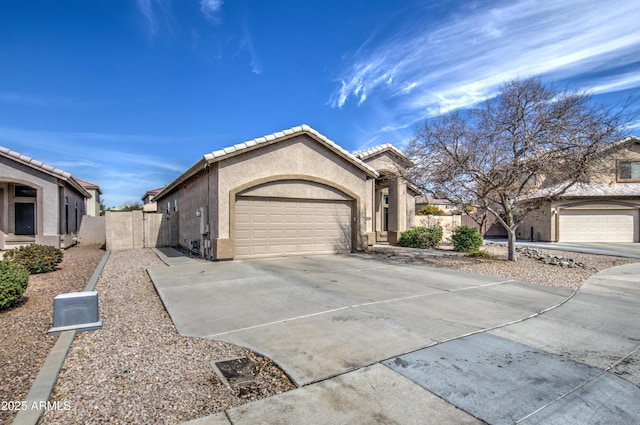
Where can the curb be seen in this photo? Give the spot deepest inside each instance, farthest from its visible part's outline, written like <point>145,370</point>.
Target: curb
<point>37,400</point>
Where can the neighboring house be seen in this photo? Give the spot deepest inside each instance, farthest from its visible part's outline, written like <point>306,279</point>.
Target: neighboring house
<point>444,205</point>
<point>605,209</point>
<point>93,203</point>
<point>293,192</point>
<point>148,200</point>
<point>38,203</point>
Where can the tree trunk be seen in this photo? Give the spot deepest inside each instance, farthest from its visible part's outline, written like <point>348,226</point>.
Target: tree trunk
<point>511,246</point>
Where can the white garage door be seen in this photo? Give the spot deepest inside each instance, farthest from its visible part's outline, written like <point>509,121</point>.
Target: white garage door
<point>598,226</point>
<point>272,227</point>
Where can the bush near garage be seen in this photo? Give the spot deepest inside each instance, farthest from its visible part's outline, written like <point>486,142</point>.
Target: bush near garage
<point>36,258</point>
<point>466,239</point>
<point>422,237</point>
<point>14,278</point>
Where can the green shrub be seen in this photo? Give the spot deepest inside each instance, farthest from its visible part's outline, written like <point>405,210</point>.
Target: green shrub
<point>430,210</point>
<point>480,254</point>
<point>421,237</point>
<point>13,282</point>
<point>36,258</point>
<point>466,239</point>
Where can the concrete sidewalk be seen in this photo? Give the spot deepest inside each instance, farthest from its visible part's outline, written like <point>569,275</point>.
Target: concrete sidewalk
<point>464,348</point>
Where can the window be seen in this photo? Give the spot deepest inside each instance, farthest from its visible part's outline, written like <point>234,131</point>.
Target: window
<point>629,170</point>
<point>25,192</point>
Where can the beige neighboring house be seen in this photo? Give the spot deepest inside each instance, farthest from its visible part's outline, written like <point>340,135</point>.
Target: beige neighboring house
<point>606,209</point>
<point>294,192</point>
<point>38,203</point>
<point>444,205</point>
<point>93,203</point>
<point>148,200</point>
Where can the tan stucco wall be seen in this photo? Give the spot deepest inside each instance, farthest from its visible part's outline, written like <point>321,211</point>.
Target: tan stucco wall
<point>93,203</point>
<point>401,202</point>
<point>134,230</point>
<point>47,200</point>
<point>93,231</point>
<point>448,223</point>
<point>543,223</point>
<point>300,167</point>
<point>607,171</point>
<point>297,159</point>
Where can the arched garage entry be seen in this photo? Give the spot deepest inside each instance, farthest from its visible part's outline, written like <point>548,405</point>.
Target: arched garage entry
<point>293,217</point>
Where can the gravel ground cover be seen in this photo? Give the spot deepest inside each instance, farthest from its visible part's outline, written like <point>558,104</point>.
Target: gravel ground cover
<point>137,369</point>
<point>25,344</point>
<point>525,269</point>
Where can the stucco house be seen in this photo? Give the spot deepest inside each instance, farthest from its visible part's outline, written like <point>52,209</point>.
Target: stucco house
<point>443,205</point>
<point>293,192</point>
<point>38,203</point>
<point>93,203</point>
<point>605,209</point>
<point>148,200</point>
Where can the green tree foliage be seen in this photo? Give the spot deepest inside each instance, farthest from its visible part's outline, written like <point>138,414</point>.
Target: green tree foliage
<point>430,210</point>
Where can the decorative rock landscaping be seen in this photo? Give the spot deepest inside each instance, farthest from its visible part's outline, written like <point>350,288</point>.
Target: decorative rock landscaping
<point>546,258</point>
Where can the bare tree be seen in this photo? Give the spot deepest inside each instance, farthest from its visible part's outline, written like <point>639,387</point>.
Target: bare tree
<point>526,146</point>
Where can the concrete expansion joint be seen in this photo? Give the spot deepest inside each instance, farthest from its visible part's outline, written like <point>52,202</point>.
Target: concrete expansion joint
<point>502,325</point>
<point>578,387</point>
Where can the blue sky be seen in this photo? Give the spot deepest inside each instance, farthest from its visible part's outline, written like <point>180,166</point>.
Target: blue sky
<point>129,93</point>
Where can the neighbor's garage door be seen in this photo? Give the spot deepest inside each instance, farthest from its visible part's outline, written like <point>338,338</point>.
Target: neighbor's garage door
<point>598,226</point>
<point>272,227</point>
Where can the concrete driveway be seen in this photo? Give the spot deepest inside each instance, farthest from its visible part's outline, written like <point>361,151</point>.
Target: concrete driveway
<point>367,340</point>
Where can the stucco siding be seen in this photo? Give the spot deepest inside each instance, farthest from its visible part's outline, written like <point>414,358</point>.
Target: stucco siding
<point>47,199</point>
<point>543,223</point>
<point>299,158</point>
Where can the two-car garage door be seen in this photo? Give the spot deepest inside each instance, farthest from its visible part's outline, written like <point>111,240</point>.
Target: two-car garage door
<point>598,225</point>
<point>274,227</point>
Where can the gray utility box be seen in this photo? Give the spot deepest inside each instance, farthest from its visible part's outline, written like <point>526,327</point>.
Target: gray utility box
<point>75,311</point>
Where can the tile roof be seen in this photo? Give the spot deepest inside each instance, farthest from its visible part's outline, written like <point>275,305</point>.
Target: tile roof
<point>88,185</point>
<point>41,166</point>
<point>301,129</point>
<point>239,148</point>
<point>586,190</point>
<point>368,153</point>
<point>33,163</point>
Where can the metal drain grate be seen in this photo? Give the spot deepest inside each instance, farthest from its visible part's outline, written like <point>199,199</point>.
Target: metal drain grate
<point>237,371</point>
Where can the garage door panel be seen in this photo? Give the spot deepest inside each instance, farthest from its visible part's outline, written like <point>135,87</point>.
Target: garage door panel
<point>272,227</point>
<point>598,225</point>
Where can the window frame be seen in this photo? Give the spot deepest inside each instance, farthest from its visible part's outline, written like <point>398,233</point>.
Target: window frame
<point>619,170</point>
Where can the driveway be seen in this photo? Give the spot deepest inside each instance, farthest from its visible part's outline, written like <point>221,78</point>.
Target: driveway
<point>322,316</point>
<point>355,328</point>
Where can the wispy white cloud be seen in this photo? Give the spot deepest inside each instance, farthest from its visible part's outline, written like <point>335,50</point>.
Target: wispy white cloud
<point>154,12</point>
<point>247,44</point>
<point>211,9</point>
<point>463,60</point>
